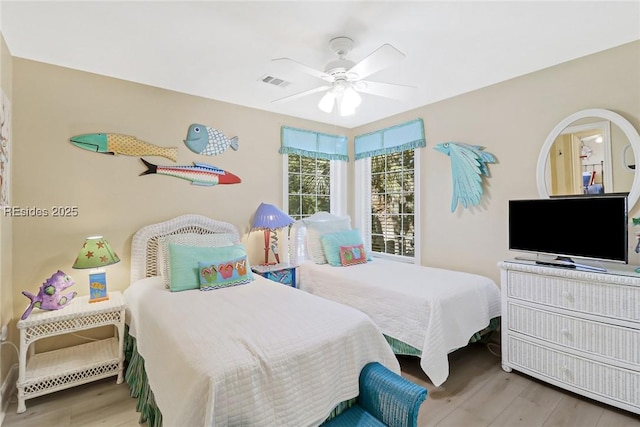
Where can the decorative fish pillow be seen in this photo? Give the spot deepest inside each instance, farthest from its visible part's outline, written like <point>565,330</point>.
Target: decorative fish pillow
<point>208,141</point>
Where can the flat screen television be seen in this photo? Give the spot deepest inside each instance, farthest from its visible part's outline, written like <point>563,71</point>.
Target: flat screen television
<point>586,227</point>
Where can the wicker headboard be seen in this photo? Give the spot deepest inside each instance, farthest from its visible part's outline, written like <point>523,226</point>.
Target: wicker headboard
<point>144,246</point>
<point>298,252</point>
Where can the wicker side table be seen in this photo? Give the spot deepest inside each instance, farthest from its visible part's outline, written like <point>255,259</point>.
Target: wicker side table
<point>50,371</point>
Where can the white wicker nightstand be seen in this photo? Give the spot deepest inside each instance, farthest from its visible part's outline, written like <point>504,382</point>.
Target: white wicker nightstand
<point>46,372</point>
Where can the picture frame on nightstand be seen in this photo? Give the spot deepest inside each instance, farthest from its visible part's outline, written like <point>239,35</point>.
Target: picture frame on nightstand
<point>98,287</point>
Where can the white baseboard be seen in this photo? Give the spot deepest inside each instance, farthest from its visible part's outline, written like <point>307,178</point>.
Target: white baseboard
<point>7,390</point>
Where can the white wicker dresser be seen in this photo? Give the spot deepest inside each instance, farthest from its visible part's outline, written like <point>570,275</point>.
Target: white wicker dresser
<point>49,371</point>
<point>574,329</point>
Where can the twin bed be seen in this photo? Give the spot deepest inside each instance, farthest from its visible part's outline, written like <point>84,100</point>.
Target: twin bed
<point>260,353</point>
<point>422,311</point>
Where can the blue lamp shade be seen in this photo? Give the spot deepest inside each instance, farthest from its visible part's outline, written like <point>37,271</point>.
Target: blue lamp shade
<point>269,218</point>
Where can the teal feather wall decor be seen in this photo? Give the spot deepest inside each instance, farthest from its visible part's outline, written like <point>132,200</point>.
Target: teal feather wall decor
<point>468,165</point>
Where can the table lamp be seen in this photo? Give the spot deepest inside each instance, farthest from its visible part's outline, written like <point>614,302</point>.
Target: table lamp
<point>96,254</point>
<point>269,218</point>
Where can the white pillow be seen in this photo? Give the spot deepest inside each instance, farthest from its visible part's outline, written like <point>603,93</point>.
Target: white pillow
<point>186,239</point>
<point>321,223</point>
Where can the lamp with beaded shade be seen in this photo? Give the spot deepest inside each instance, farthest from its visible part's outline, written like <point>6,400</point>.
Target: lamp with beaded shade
<point>95,254</point>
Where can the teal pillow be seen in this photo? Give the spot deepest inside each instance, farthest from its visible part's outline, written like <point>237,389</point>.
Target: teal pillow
<point>217,274</point>
<point>184,260</point>
<point>331,243</point>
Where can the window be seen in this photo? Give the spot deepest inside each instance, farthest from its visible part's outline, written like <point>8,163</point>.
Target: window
<point>309,187</point>
<point>387,193</point>
<point>392,203</point>
<point>315,172</point>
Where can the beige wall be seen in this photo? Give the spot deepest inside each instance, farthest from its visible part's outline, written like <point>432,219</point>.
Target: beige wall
<point>511,119</point>
<point>55,103</point>
<point>7,354</point>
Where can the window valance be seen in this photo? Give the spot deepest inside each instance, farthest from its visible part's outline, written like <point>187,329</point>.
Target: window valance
<point>393,139</point>
<point>313,144</point>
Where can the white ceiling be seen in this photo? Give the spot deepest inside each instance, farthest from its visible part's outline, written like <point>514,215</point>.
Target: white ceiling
<point>220,50</point>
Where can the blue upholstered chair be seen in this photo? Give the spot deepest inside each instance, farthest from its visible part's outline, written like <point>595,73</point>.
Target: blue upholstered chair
<point>385,399</point>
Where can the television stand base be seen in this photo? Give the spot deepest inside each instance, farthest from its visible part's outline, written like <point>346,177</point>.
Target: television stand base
<point>565,264</point>
<point>556,264</point>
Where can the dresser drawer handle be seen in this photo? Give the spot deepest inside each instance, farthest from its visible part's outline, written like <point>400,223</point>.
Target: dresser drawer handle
<point>567,295</point>
<point>564,332</point>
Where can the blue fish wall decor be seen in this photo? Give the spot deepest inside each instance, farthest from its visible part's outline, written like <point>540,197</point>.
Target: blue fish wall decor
<point>208,141</point>
<point>468,164</point>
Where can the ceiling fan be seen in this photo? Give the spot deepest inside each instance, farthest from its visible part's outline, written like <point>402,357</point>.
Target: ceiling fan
<point>345,79</point>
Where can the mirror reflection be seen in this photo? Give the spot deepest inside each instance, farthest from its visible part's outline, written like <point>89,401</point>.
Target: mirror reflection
<point>587,157</point>
<point>571,161</point>
<point>628,159</point>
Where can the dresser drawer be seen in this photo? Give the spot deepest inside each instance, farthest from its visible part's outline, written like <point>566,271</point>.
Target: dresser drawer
<point>605,299</point>
<point>615,342</point>
<point>576,373</point>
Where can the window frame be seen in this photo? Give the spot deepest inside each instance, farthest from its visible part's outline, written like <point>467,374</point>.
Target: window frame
<point>362,198</point>
<point>337,185</point>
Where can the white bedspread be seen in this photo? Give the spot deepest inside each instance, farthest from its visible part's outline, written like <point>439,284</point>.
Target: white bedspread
<point>434,310</point>
<point>256,354</point>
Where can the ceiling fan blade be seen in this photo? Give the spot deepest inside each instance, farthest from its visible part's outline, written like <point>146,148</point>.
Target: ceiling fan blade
<point>302,67</point>
<point>383,57</point>
<point>387,90</point>
<point>301,94</point>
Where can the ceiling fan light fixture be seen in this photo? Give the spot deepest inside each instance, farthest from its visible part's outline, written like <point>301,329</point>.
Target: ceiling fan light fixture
<point>344,78</point>
<point>327,101</point>
<point>351,97</point>
<point>348,101</point>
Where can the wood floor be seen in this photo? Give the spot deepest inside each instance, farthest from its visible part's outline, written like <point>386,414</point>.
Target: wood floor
<point>477,393</point>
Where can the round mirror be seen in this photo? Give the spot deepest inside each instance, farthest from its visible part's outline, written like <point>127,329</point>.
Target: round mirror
<point>586,153</point>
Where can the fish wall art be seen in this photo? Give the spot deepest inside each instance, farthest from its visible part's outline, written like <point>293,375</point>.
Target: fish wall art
<point>199,174</point>
<point>114,143</point>
<point>468,164</point>
<point>208,141</point>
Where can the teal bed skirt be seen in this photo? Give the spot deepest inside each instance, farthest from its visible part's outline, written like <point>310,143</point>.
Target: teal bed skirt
<point>483,336</point>
<point>136,378</point>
